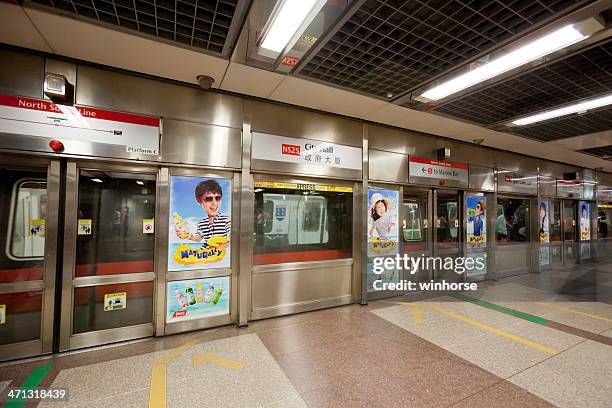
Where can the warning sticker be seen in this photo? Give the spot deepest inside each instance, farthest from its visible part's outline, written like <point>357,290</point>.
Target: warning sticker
<point>115,301</point>
<point>2,314</point>
<point>84,227</point>
<point>37,228</point>
<point>148,226</point>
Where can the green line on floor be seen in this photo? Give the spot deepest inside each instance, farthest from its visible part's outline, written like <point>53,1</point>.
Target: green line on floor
<point>512,312</point>
<point>30,383</point>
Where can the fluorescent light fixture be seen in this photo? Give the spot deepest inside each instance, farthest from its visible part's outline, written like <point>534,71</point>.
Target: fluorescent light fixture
<point>140,183</point>
<point>287,20</point>
<point>568,110</point>
<point>258,190</point>
<point>96,180</point>
<point>550,43</point>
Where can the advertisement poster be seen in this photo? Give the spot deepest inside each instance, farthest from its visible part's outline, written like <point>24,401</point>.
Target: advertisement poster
<point>383,222</point>
<point>476,221</point>
<point>585,221</point>
<point>388,276</point>
<point>115,301</point>
<point>2,314</point>
<point>197,298</point>
<point>200,223</point>
<point>544,223</point>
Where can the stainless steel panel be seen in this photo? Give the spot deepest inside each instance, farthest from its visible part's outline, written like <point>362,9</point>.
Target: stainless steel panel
<point>298,266</point>
<point>200,324</point>
<point>71,147</point>
<point>161,243</point>
<point>301,307</point>
<point>199,144</point>
<point>400,141</point>
<point>512,260</point>
<point>287,287</point>
<point>51,234</point>
<point>356,280</point>
<point>21,74</point>
<point>247,211</point>
<point>111,279</point>
<point>235,260</point>
<point>388,166</point>
<point>95,338</point>
<point>481,178</point>
<point>294,122</point>
<point>70,233</point>
<point>297,169</point>
<point>20,350</point>
<point>204,273</point>
<point>130,93</point>
<point>360,235</point>
<point>547,186</point>
<point>515,162</point>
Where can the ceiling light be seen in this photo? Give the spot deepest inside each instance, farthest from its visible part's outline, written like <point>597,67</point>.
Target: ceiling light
<point>552,42</point>
<point>140,183</point>
<point>287,20</point>
<point>96,180</point>
<point>568,110</point>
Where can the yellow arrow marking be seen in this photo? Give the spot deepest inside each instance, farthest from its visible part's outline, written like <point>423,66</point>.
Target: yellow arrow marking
<point>417,314</point>
<point>211,358</point>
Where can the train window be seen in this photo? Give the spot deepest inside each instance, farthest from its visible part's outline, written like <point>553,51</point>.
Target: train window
<point>28,214</point>
<point>447,222</point>
<point>569,221</point>
<point>604,220</point>
<point>555,221</point>
<point>292,225</point>
<point>512,224</point>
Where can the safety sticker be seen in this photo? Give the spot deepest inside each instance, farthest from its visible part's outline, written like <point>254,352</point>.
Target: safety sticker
<point>37,228</point>
<point>115,301</point>
<point>148,226</point>
<point>84,227</point>
<point>2,314</point>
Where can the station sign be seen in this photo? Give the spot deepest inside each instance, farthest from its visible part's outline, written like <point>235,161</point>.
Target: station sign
<point>438,172</point>
<point>570,188</point>
<point>303,186</point>
<point>133,135</point>
<point>512,182</point>
<point>305,152</point>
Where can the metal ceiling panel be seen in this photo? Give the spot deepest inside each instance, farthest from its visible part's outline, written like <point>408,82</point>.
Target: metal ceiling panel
<point>389,47</point>
<point>604,152</point>
<point>203,24</point>
<point>574,125</point>
<point>583,75</point>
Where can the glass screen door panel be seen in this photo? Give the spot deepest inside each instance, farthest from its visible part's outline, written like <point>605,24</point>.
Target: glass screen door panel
<point>447,221</point>
<point>113,210</point>
<point>113,286</point>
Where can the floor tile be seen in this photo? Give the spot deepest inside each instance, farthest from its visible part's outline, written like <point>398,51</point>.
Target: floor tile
<point>578,377</point>
<point>503,394</point>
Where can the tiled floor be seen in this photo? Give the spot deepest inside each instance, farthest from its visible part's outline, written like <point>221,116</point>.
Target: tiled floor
<point>449,352</point>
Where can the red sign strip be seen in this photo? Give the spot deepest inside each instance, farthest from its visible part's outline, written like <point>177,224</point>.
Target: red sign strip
<point>86,112</point>
<point>440,163</point>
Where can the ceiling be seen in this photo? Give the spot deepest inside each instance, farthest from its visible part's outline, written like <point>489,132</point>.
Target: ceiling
<point>366,63</point>
<point>211,25</point>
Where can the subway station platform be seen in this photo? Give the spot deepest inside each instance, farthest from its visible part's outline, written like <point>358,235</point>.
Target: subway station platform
<point>528,341</point>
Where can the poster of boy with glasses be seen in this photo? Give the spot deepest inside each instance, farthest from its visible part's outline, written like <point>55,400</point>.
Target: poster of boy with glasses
<point>211,232</point>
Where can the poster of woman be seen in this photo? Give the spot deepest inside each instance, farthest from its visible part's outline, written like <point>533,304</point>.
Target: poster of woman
<point>476,221</point>
<point>585,223</point>
<point>383,221</point>
<point>544,221</point>
<point>199,233</point>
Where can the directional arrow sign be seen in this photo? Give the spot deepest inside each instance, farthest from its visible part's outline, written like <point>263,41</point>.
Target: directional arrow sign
<point>211,358</point>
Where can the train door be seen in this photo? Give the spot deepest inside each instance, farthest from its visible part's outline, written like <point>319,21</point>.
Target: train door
<point>570,246</point>
<point>556,233</point>
<point>29,196</point>
<point>108,260</point>
<point>448,229</point>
